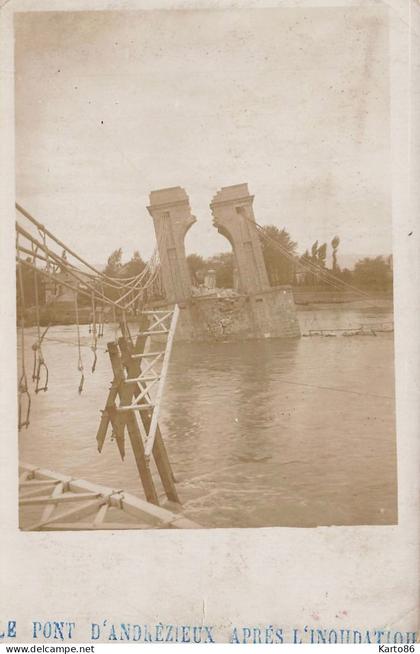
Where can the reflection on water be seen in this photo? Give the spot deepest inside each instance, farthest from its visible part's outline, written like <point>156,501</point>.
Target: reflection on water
<point>263,433</point>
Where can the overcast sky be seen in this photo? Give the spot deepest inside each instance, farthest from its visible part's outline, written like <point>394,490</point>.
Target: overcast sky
<point>111,105</point>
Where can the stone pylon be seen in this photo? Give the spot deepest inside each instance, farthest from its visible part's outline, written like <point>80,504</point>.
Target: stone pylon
<point>234,218</point>
<point>172,218</point>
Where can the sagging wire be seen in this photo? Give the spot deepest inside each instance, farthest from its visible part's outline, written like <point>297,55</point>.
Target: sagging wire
<point>62,263</point>
<point>79,347</point>
<point>39,362</point>
<point>94,344</point>
<point>115,324</point>
<point>41,231</point>
<point>97,273</point>
<point>101,316</point>
<point>23,391</point>
<point>124,326</point>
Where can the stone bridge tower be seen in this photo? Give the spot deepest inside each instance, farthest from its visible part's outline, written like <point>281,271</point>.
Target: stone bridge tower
<point>233,216</point>
<point>172,218</point>
<point>257,310</point>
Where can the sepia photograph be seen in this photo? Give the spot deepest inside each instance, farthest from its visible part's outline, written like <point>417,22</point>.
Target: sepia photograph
<point>204,268</point>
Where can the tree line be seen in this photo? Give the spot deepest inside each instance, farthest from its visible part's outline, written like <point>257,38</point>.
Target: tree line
<point>283,263</point>
<point>285,266</point>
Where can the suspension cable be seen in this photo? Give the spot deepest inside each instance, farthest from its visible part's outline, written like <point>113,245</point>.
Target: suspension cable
<point>311,267</point>
<point>45,232</point>
<point>63,264</point>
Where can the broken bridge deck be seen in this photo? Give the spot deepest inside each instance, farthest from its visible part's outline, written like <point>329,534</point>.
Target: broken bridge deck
<point>49,501</point>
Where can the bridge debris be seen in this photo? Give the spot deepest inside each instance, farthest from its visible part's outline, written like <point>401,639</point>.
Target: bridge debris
<point>49,501</point>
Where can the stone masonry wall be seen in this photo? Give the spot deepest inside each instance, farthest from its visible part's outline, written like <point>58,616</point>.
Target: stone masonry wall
<point>269,314</point>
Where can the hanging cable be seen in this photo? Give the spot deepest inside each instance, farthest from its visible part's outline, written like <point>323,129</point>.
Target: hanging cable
<point>94,334</point>
<point>40,367</point>
<point>23,416</point>
<point>101,315</point>
<point>79,347</point>
<point>114,317</point>
<point>327,277</point>
<point>127,289</point>
<point>124,325</point>
<point>41,231</point>
<point>44,231</point>
<point>60,263</point>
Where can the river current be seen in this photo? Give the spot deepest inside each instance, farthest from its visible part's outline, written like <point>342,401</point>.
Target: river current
<point>282,432</point>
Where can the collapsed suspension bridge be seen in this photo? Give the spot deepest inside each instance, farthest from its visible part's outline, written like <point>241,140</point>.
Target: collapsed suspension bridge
<point>139,364</point>
<point>159,297</point>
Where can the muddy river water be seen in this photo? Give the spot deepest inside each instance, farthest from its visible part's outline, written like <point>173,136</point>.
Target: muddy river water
<point>279,432</point>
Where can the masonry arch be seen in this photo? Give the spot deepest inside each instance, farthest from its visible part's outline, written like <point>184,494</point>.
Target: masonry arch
<point>233,217</point>
<point>210,258</point>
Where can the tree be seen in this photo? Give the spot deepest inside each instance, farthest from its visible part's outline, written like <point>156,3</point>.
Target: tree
<point>116,268</point>
<point>28,283</point>
<point>114,264</point>
<point>278,251</point>
<point>223,264</point>
<point>322,255</point>
<point>334,244</point>
<point>374,273</point>
<point>133,267</point>
<point>196,264</point>
<point>345,275</point>
<point>314,252</point>
<point>317,259</point>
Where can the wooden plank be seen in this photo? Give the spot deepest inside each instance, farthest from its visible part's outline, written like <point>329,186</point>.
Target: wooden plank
<point>109,416</point>
<point>49,474</point>
<point>160,322</point>
<point>105,418</point>
<point>145,355</point>
<point>145,390</point>
<point>59,499</point>
<point>86,526</point>
<point>109,412</point>
<point>184,523</point>
<point>134,407</point>
<point>153,514</point>
<point>101,515</point>
<point>77,513</point>
<point>159,449</point>
<point>133,429</point>
<point>149,365</point>
<point>158,331</point>
<point>143,511</point>
<point>38,483</point>
<point>32,492</point>
<point>153,312</point>
<point>117,430</point>
<point>141,378</point>
<point>49,510</point>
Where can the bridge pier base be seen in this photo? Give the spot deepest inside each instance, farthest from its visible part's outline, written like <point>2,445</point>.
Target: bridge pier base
<point>268,314</point>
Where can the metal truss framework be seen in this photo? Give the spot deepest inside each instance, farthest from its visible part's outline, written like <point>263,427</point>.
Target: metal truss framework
<point>132,407</point>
